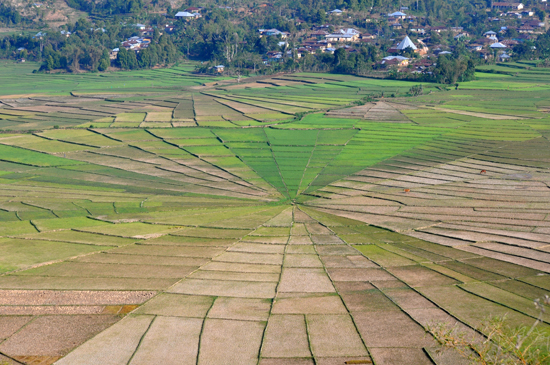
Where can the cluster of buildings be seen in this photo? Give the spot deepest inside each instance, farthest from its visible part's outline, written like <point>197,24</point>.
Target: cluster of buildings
<point>135,43</point>
<point>491,44</point>
<point>417,55</point>
<point>405,54</point>
<point>320,39</point>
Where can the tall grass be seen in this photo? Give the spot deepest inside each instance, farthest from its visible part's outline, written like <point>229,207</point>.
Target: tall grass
<point>503,343</point>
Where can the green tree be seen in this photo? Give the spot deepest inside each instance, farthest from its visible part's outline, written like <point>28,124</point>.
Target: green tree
<point>50,65</point>
<point>339,56</point>
<point>449,70</point>
<point>540,14</point>
<point>416,90</point>
<point>122,58</point>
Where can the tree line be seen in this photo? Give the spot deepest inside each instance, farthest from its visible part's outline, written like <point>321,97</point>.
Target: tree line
<point>87,48</point>
<point>107,7</point>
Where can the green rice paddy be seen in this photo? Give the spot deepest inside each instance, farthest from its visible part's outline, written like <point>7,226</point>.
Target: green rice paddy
<point>259,209</point>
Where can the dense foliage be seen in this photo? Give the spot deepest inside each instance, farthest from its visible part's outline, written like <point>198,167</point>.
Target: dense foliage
<point>87,48</point>
<point>107,7</point>
<point>163,53</point>
<point>9,16</point>
<point>450,70</point>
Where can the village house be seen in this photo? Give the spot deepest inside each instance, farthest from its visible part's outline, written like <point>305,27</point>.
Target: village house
<point>187,15</point>
<point>273,32</point>
<point>336,12</point>
<point>300,52</point>
<point>114,53</point>
<point>497,45</point>
<point>395,25</point>
<point>532,26</point>
<point>341,37</point>
<point>475,47</point>
<point>274,56</point>
<point>368,41</point>
<point>506,6</point>
<point>461,36</point>
<point>136,43</point>
<point>149,31</point>
<point>420,31</point>
<point>350,49</point>
<point>395,61</point>
<point>367,36</point>
<point>313,45</point>
<point>349,31</point>
<point>320,34</point>
<point>193,10</point>
<point>324,27</point>
<point>439,29</point>
<point>509,42</point>
<point>397,15</point>
<point>484,54</point>
<point>130,45</point>
<point>422,65</point>
<point>512,14</point>
<point>534,23</point>
<point>344,35</point>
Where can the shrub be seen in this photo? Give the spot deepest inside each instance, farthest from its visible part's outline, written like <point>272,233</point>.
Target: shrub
<point>503,344</point>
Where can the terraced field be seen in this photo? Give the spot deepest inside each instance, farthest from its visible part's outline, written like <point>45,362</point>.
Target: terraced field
<point>162,217</point>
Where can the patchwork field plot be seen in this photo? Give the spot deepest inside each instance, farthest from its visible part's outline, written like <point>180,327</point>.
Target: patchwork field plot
<point>325,302</point>
<point>161,217</point>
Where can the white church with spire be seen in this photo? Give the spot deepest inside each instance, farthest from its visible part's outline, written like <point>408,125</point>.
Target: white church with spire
<point>407,43</point>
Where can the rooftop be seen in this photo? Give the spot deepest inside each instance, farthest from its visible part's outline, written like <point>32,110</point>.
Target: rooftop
<point>406,43</point>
